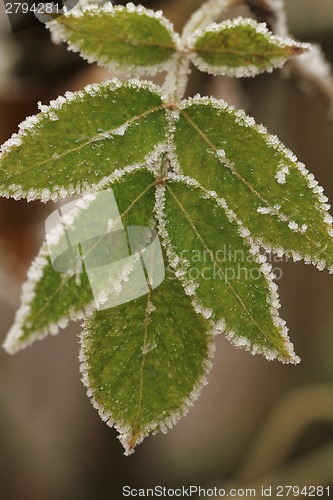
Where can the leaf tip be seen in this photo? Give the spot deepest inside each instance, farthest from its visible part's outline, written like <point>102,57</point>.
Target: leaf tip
<point>289,358</point>
<point>287,354</point>
<point>9,346</point>
<point>130,439</point>
<point>298,49</point>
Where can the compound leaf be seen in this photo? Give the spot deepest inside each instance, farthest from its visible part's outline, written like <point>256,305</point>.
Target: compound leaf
<point>131,39</point>
<point>220,271</point>
<point>272,194</point>
<point>145,361</point>
<point>83,140</point>
<point>241,47</point>
<point>50,298</point>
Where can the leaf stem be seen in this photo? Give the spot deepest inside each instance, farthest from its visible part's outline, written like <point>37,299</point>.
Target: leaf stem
<point>177,77</point>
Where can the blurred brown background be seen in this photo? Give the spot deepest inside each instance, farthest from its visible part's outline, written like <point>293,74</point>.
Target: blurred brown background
<point>256,422</point>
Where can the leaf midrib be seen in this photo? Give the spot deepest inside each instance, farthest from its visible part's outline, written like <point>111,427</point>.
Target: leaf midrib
<point>98,137</point>
<point>133,41</point>
<point>211,254</point>
<point>134,426</point>
<point>226,51</point>
<point>233,169</point>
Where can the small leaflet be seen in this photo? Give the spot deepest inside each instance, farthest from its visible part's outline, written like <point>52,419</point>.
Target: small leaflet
<point>241,48</point>
<point>131,39</point>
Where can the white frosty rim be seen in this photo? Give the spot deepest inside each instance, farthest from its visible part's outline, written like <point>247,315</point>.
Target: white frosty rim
<point>241,71</point>
<point>49,112</point>
<point>153,427</point>
<point>274,143</point>
<point>13,341</point>
<point>60,34</point>
<point>179,265</point>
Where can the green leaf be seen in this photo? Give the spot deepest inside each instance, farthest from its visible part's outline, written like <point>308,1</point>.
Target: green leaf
<point>49,298</point>
<point>219,268</point>
<point>131,39</point>
<point>272,194</point>
<point>145,361</point>
<point>83,140</point>
<point>241,47</point>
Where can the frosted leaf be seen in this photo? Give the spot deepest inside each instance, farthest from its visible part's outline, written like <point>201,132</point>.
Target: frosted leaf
<point>276,213</point>
<point>49,153</point>
<point>240,47</point>
<point>131,39</point>
<point>29,325</point>
<point>167,367</point>
<point>50,298</point>
<point>217,288</point>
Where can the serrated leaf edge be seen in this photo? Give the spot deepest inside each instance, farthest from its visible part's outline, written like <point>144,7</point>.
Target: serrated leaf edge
<point>59,34</point>
<point>178,264</point>
<point>13,342</point>
<point>45,195</point>
<point>273,142</point>
<point>248,70</point>
<point>124,430</point>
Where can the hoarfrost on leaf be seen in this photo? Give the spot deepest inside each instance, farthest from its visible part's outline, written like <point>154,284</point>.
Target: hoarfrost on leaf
<point>240,47</point>
<point>246,179</point>
<point>131,39</point>
<point>197,171</point>
<point>71,140</point>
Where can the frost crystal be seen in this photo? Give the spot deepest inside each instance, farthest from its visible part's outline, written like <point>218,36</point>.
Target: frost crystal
<point>293,226</point>
<point>14,141</point>
<point>265,210</point>
<point>120,130</point>
<point>190,288</point>
<point>221,153</point>
<point>281,174</point>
